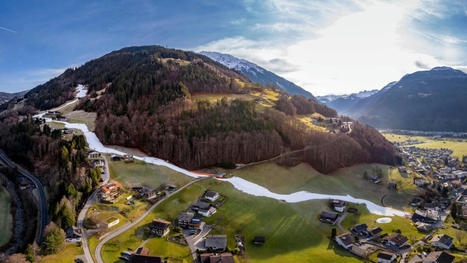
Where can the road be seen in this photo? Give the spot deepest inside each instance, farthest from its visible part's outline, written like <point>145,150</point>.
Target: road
<point>43,209</point>
<point>195,239</point>
<point>126,227</point>
<point>82,214</point>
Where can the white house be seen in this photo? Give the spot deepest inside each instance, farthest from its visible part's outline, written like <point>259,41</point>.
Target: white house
<point>207,213</point>
<point>211,196</point>
<point>345,240</point>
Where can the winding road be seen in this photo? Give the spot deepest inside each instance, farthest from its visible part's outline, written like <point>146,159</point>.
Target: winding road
<point>82,214</point>
<point>43,210</point>
<point>126,227</point>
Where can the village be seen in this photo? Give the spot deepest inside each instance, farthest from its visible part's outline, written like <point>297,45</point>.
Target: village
<point>443,179</point>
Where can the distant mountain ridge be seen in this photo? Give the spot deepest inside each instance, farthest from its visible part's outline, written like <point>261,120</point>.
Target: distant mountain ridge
<point>430,100</point>
<point>347,98</point>
<point>5,97</point>
<point>256,73</point>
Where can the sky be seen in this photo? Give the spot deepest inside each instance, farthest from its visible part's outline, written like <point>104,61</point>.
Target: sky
<point>325,46</point>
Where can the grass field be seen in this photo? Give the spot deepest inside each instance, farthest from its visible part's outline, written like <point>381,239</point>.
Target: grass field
<point>6,223</point>
<point>293,231</point>
<point>146,174</point>
<point>66,255</point>
<point>81,116</point>
<point>459,148</point>
<point>350,181</point>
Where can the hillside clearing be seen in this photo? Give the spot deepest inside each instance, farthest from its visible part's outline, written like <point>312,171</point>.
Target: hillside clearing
<point>150,175</point>
<point>66,255</point>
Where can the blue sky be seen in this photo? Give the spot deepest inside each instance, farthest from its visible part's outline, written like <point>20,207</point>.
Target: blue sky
<point>328,46</point>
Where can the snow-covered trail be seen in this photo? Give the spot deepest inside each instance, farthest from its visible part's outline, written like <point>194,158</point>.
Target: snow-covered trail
<point>239,183</point>
<point>258,190</point>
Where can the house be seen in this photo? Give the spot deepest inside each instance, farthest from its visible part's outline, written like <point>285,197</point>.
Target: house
<point>375,232</point>
<point>109,192</point>
<point>328,217</point>
<point>211,195</point>
<point>439,257</point>
<point>385,257</point>
<point>429,216</point>
<point>338,205</point>
<point>160,227</point>
<point>345,240</point>
<point>419,181</point>
<point>361,230</point>
<point>259,240</point>
<point>442,241</point>
<point>97,163</point>
<point>216,242</point>
<point>462,212</point>
<point>203,208</point>
<point>184,219</point>
<point>73,234</point>
<point>216,258</point>
<point>94,155</point>
<point>395,240</point>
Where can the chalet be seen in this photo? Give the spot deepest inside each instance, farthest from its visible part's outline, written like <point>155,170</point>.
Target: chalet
<point>385,257</point>
<point>361,230</point>
<point>429,216</point>
<point>345,240</point>
<point>109,192</point>
<point>395,240</point>
<point>259,240</point>
<point>442,241</point>
<point>337,205</point>
<point>375,232</point>
<point>216,258</point>
<point>328,217</point>
<point>216,242</point>
<point>462,212</point>
<point>211,196</point>
<point>184,220</point>
<point>362,250</point>
<point>94,155</point>
<point>160,228</point>
<point>128,158</point>
<point>439,257</point>
<point>203,208</point>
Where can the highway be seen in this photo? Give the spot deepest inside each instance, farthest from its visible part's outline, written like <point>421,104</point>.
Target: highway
<point>43,210</point>
<point>126,227</point>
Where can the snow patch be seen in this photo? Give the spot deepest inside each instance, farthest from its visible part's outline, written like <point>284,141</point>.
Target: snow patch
<point>257,190</point>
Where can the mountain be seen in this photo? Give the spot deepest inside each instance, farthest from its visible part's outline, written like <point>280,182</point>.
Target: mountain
<point>4,96</point>
<point>344,103</point>
<point>431,100</point>
<point>257,73</point>
<point>195,112</point>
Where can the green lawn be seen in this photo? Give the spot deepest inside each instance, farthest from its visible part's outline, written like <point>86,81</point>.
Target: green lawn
<point>6,223</point>
<point>66,255</point>
<point>398,223</point>
<point>303,177</point>
<point>293,231</point>
<point>146,174</point>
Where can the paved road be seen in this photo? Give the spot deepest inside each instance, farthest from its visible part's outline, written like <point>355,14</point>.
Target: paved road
<point>339,221</point>
<point>195,239</point>
<point>126,227</point>
<point>82,214</point>
<point>43,209</point>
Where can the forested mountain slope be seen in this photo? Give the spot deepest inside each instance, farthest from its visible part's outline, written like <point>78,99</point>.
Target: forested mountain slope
<point>186,108</point>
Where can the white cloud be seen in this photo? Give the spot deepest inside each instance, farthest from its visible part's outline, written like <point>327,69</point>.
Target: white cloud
<point>363,50</point>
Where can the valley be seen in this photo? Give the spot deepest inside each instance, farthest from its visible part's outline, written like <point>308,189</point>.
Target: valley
<point>284,198</point>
